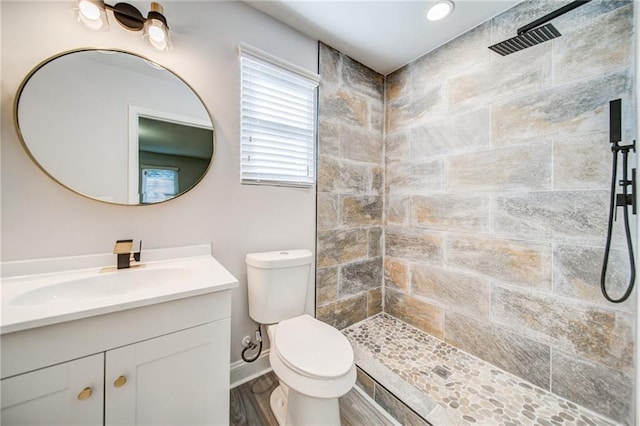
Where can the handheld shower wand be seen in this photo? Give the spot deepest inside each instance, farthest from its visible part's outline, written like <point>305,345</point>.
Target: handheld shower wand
<point>619,200</point>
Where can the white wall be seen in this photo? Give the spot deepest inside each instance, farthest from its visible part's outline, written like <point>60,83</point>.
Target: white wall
<point>42,219</point>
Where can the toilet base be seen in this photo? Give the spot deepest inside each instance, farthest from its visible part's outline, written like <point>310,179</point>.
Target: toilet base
<point>294,409</point>
<point>278,403</point>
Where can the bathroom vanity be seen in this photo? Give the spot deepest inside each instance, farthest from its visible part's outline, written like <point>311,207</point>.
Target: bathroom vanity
<point>146,345</point>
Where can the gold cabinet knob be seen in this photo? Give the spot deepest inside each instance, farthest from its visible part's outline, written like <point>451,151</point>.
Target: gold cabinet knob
<point>85,394</point>
<point>120,382</point>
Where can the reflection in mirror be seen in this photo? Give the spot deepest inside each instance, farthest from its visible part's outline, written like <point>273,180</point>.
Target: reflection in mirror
<point>115,127</point>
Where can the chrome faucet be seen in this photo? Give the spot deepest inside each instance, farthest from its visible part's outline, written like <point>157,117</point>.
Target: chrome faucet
<point>125,256</point>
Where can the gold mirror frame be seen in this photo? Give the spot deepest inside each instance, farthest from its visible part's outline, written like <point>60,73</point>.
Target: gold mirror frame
<point>25,146</point>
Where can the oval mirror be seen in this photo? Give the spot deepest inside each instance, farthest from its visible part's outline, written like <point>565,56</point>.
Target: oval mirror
<point>115,127</point>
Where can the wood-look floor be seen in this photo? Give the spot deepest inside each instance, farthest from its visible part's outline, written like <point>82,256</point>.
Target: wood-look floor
<point>250,406</point>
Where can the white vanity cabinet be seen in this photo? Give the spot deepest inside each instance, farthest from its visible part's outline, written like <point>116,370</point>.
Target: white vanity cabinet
<point>162,364</point>
<point>70,393</point>
<point>86,345</point>
<point>170,380</point>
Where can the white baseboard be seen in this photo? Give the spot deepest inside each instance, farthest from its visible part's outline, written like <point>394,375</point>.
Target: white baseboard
<point>242,372</point>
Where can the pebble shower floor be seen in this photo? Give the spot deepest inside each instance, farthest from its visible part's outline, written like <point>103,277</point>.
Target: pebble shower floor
<point>471,390</point>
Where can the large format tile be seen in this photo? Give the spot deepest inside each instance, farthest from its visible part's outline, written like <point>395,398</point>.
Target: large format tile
<point>609,41</point>
<point>413,244</point>
<point>452,289</point>
<point>345,312</point>
<point>420,314</point>
<point>341,104</point>
<point>558,216</point>
<point>414,177</point>
<point>362,79</point>
<point>460,55</point>
<point>330,64</point>
<point>396,274</point>
<point>411,111</point>
<point>359,277</point>
<point>589,331</point>
<point>341,246</point>
<point>451,135</point>
<point>527,167</point>
<point>375,243</point>
<point>571,109</point>
<point>505,25</point>
<point>510,351</point>
<point>582,162</point>
<point>361,144</point>
<point>593,385</point>
<point>577,272</point>
<point>524,74</point>
<point>374,301</point>
<point>328,137</point>
<point>514,262</point>
<point>461,212</point>
<point>341,176</point>
<point>327,211</point>
<point>397,147</point>
<point>398,84</point>
<point>326,285</point>
<point>363,210</point>
<point>397,210</point>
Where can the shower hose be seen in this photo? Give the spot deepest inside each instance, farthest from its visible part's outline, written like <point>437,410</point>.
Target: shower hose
<point>612,210</point>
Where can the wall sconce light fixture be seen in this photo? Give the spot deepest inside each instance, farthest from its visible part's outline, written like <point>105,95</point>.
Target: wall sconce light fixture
<point>93,14</point>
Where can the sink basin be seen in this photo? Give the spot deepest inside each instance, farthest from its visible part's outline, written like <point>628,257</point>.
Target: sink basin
<point>104,285</point>
<point>43,292</point>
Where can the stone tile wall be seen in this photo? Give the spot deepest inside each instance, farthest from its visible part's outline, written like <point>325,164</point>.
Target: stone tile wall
<point>350,190</point>
<point>482,219</point>
<point>496,200</point>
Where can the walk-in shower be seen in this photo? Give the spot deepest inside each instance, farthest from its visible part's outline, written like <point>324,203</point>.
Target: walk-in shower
<point>535,33</point>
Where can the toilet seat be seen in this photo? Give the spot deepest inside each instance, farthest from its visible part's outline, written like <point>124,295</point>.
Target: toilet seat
<point>312,348</point>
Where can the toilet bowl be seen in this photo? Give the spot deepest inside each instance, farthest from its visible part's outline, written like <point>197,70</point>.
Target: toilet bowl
<point>313,361</point>
<point>315,365</point>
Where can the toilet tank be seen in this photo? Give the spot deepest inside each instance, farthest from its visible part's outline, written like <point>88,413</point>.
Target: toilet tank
<point>277,284</point>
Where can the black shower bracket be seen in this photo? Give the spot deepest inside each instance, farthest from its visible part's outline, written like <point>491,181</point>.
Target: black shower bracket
<point>624,200</point>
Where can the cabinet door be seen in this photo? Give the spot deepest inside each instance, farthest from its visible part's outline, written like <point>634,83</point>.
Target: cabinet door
<point>56,395</point>
<point>178,379</point>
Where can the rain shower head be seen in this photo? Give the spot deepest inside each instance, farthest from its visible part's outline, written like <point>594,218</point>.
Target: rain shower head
<point>535,32</point>
<point>527,39</point>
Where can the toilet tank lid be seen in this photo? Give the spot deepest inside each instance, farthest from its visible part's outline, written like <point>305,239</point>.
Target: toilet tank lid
<point>279,259</point>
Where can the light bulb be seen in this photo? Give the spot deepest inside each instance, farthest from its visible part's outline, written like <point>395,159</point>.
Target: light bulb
<point>156,29</point>
<point>89,10</point>
<point>92,14</point>
<point>440,10</point>
<point>156,34</point>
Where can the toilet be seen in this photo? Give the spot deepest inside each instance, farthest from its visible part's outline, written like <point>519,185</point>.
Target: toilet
<point>313,361</point>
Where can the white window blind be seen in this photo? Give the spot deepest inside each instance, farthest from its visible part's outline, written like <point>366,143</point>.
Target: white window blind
<point>278,121</point>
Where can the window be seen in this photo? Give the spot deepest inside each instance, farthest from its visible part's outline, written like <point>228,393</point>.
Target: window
<point>278,121</point>
<point>158,184</point>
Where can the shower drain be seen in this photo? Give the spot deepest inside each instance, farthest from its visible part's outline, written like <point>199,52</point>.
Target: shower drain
<point>441,371</point>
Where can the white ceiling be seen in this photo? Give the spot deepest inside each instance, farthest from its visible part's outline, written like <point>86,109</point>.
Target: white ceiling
<point>383,35</point>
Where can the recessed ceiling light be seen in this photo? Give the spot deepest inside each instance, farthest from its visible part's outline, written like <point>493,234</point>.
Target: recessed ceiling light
<point>440,10</point>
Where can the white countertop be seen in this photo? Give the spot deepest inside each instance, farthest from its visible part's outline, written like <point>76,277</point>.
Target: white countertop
<point>25,305</point>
